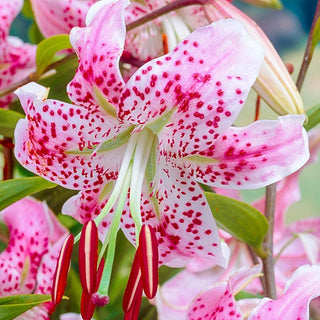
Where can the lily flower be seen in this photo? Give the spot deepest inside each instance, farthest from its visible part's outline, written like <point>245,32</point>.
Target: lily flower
<point>17,59</point>
<point>28,263</point>
<point>137,149</point>
<point>219,301</point>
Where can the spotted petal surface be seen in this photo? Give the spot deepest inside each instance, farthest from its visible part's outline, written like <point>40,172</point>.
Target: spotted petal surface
<point>60,16</point>
<point>99,50</point>
<point>31,228</point>
<point>57,140</point>
<point>199,82</point>
<point>294,304</point>
<point>218,302</point>
<point>17,59</point>
<point>254,156</point>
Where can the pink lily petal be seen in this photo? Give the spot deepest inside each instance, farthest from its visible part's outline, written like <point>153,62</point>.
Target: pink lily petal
<point>256,155</point>
<point>71,316</point>
<point>303,286</point>
<point>218,302</point>
<point>176,294</point>
<point>99,49</point>
<point>30,226</point>
<point>60,16</point>
<point>187,227</point>
<point>50,142</point>
<point>196,82</point>
<point>9,10</point>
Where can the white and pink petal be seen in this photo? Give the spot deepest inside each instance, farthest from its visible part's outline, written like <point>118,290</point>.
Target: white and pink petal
<point>254,156</point>
<point>98,80</point>
<point>198,83</point>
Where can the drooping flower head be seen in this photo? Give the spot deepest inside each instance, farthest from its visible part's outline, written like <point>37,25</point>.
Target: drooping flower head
<point>28,263</point>
<point>137,149</point>
<point>17,59</point>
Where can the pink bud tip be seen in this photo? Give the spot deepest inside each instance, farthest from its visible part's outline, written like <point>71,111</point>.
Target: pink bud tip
<point>100,300</point>
<point>149,260</point>
<point>88,257</point>
<point>62,268</point>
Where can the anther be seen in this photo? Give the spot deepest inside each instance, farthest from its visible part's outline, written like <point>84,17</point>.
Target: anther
<point>62,268</point>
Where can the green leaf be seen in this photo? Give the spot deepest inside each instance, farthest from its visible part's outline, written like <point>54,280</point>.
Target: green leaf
<point>313,115</point>
<point>47,49</point>
<point>8,121</point>
<point>12,306</point>
<point>16,189</point>
<point>239,219</point>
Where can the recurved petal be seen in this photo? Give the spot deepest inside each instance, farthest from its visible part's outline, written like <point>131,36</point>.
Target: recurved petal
<point>59,17</point>
<point>203,83</point>
<point>219,301</point>
<point>99,47</point>
<point>56,141</point>
<point>254,156</point>
<point>303,286</point>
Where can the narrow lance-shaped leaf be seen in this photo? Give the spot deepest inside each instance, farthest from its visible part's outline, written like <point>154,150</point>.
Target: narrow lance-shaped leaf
<point>16,189</point>
<point>239,219</point>
<point>47,48</point>
<point>8,121</point>
<point>12,306</point>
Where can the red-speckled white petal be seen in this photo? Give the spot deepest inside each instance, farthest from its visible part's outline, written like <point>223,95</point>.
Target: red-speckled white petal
<point>187,228</point>
<point>31,227</point>
<point>99,47</point>
<point>205,81</point>
<point>9,10</point>
<point>254,156</point>
<point>56,141</point>
<point>60,16</point>
<point>86,205</point>
<point>17,61</point>
<point>303,286</point>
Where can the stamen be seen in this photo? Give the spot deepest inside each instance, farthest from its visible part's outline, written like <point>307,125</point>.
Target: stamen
<point>134,285</point>
<point>111,237</point>
<point>87,307</point>
<point>165,43</point>
<point>140,162</point>
<point>88,257</point>
<point>149,259</point>
<point>62,268</point>
<point>133,312</point>
<point>121,176</point>
<point>98,299</point>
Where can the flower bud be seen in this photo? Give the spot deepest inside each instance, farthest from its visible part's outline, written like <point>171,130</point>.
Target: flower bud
<point>274,83</point>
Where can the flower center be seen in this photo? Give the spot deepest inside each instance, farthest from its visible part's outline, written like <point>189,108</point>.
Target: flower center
<point>131,175</point>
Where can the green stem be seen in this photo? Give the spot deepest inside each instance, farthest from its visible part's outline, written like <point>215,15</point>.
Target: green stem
<point>268,262</point>
<point>309,49</point>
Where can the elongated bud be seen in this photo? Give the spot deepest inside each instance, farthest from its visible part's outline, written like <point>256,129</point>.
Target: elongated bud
<point>274,4</point>
<point>88,257</point>
<point>274,83</point>
<point>62,268</point>
<point>149,260</point>
<point>134,285</point>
